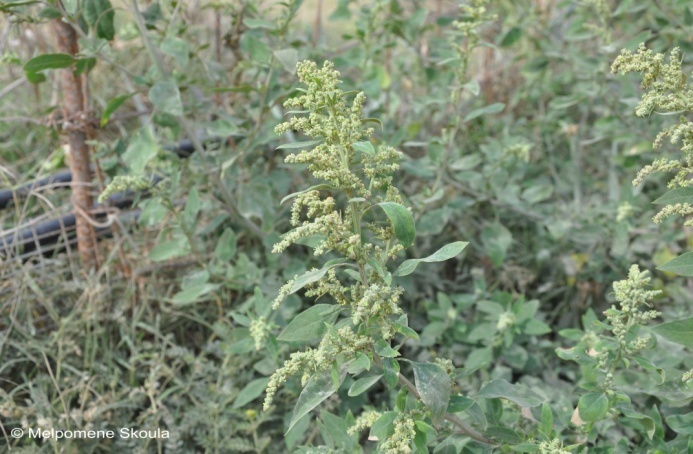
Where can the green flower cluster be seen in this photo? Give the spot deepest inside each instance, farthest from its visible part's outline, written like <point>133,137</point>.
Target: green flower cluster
<point>631,295</point>
<point>259,329</point>
<point>475,14</point>
<point>400,441</point>
<point>552,447</point>
<point>359,176</point>
<point>364,421</point>
<point>343,343</point>
<point>667,91</point>
<point>124,183</point>
<point>466,37</point>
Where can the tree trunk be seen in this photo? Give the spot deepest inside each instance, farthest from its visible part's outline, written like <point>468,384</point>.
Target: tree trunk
<point>75,120</point>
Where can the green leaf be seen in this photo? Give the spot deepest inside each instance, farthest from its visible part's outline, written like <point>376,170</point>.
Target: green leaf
<point>434,386</point>
<point>296,145</point>
<point>166,98</point>
<point>313,276</point>
<point>84,65</point>
<point>681,265</point>
<point>490,109</point>
<point>319,387</point>
<point>288,58</point>
<point>372,120</point>
<point>382,348</point>
<point>401,220</point>
<point>178,49</point>
<point>250,392</point>
<point>364,147</point>
<point>316,187</point>
<point>49,61</point>
<point>335,430</point>
<point>169,249</point>
<point>445,253</point>
<point>536,327</point>
<point>112,106</point>
<point>99,14</point>
<point>7,6</point>
<point>511,37</point>
<point>50,12</point>
<point>259,51</point>
<point>454,444</point>
<point>391,369</point>
<point>499,388</point>
<point>682,424</point>
<point>593,407</point>
<point>142,149</point>
<point>678,331</point>
<point>193,293</point>
<point>361,363</point>
<point>503,434</point>
<point>645,421</point>
<point>310,324</point>
<point>362,385</point>
<point>35,78</point>
<point>405,331</point>
<point>259,23</point>
<point>459,404</point>
<point>192,207</point>
<point>226,245</point>
<point>383,427</point>
<point>546,419</point>
<point>496,239</point>
<point>537,193</point>
<point>678,195</point>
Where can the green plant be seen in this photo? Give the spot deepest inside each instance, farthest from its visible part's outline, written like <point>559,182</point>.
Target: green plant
<point>358,176</point>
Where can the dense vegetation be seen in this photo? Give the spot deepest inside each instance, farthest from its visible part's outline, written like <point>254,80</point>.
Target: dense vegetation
<point>404,226</point>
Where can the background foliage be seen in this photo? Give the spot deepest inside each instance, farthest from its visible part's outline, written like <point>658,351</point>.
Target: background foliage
<point>516,137</point>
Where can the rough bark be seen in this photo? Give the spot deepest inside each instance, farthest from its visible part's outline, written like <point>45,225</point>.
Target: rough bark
<point>75,123</point>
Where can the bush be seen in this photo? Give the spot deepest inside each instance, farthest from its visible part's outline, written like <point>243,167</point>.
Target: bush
<point>465,266</point>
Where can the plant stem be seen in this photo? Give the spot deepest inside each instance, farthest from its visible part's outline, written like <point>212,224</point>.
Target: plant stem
<point>464,428</point>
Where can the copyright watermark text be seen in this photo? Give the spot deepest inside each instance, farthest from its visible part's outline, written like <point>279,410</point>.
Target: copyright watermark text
<point>125,432</point>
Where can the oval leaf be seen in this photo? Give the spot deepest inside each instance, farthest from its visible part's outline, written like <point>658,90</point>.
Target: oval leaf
<point>499,388</point>
<point>252,391</point>
<point>678,195</point>
<point>310,324</point>
<point>319,387</point>
<point>166,98</point>
<point>295,145</point>
<point>490,109</point>
<point>445,253</point>
<point>401,220</point>
<point>312,188</point>
<point>434,386</point>
<point>49,61</point>
<point>99,14</point>
<point>681,265</point>
<point>362,385</point>
<point>364,147</point>
<point>382,347</point>
<point>678,331</point>
<point>593,407</point>
<point>193,293</point>
<point>313,276</point>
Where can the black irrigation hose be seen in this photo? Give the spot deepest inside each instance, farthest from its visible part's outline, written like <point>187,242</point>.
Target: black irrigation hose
<point>34,239</point>
<point>38,235</point>
<point>183,149</point>
<point>54,236</point>
<point>7,196</point>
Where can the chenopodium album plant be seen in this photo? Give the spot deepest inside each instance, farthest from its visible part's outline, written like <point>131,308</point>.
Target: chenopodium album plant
<point>667,91</point>
<point>349,224</point>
